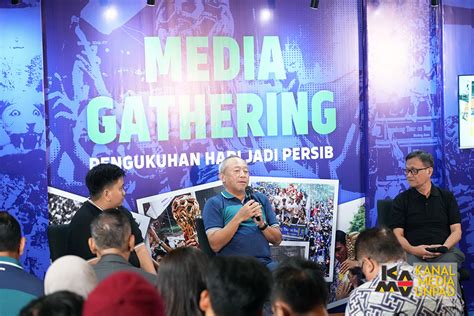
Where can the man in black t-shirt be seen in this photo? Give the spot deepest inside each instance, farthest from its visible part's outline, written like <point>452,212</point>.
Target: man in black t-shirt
<point>426,216</point>
<point>105,184</point>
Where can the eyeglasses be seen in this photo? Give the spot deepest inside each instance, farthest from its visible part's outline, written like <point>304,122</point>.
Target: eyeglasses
<point>414,171</point>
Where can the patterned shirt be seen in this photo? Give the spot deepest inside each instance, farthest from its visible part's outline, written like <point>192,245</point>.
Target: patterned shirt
<point>365,300</point>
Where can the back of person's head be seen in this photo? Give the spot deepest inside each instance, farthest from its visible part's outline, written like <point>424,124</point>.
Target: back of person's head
<point>181,279</point>
<point>111,229</point>
<point>101,176</point>
<point>379,244</point>
<point>237,286</point>
<point>70,273</point>
<point>62,303</point>
<point>300,285</point>
<point>124,293</point>
<point>425,157</point>
<point>10,233</point>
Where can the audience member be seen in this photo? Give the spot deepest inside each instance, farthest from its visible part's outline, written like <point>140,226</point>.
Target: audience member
<point>236,223</point>
<point>105,184</point>
<point>425,216</point>
<point>124,294</point>
<point>112,241</point>
<point>70,273</point>
<point>237,286</point>
<point>17,287</point>
<point>62,303</point>
<point>181,279</point>
<point>378,248</point>
<point>299,288</point>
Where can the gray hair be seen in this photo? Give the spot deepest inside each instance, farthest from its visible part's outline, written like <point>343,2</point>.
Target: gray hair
<point>110,230</point>
<point>225,162</point>
<point>425,157</point>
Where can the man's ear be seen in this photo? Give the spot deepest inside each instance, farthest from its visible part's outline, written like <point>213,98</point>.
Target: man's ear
<point>204,301</point>
<point>92,246</point>
<point>131,242</point>
<point>372,269</point>
<point>106,194</point>
<point>21,247</point>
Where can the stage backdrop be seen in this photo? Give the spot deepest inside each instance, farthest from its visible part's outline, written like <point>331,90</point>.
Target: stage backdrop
<point>410,71</point>
<point>404,93</point>
<point>458,44</point>
<point>23,181</point>
<point>167,91</point>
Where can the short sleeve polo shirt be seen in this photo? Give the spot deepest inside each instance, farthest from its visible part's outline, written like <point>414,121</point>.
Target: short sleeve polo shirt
<point>425,221</point>
<point>248,240</point>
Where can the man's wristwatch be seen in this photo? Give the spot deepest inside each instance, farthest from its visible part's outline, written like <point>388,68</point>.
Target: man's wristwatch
<point>263,227</point>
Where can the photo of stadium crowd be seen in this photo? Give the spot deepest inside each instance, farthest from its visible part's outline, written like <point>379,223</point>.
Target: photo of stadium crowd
<point>306,211</point>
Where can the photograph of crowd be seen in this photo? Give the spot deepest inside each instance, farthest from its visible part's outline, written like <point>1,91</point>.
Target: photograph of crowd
<point>62,206</point>
<point>307,211</point>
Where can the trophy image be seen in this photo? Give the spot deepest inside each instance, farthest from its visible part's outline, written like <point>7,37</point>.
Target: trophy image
<point>185,208</point>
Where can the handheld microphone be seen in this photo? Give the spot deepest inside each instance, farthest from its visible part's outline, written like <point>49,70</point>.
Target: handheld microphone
<point>251,196</point>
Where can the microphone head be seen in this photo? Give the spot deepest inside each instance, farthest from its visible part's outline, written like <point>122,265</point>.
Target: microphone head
<point>249,190</point>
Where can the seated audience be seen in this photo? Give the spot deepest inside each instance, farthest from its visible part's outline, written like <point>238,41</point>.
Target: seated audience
<point>70,273</point>
<point>112,241</point>
<point>378,248</point>
<point>62,303</point>
<point>299,288</point>
<point>124,294</point>
<point>237,286</point>
<point>17,287</point>
<point>181,279</point>
<point>105,185</point>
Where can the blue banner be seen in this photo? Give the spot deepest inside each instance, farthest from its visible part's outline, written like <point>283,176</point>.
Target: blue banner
<point>168,91</point>
<point>23,183</point>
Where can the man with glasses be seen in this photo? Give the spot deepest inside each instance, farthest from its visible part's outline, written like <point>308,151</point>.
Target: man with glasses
<point>382,261</point>
<point>239,224</point>
<point>426,218</point>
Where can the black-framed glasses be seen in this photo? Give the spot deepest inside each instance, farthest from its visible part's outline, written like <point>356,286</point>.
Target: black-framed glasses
<point>414,171</point>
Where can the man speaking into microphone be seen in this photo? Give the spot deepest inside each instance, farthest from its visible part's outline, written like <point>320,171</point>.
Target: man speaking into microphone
<point>238,221</point>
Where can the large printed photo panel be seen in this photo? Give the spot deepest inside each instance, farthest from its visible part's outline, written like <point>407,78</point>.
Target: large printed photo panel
<point>307,212</point>
<point>172,217</point>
